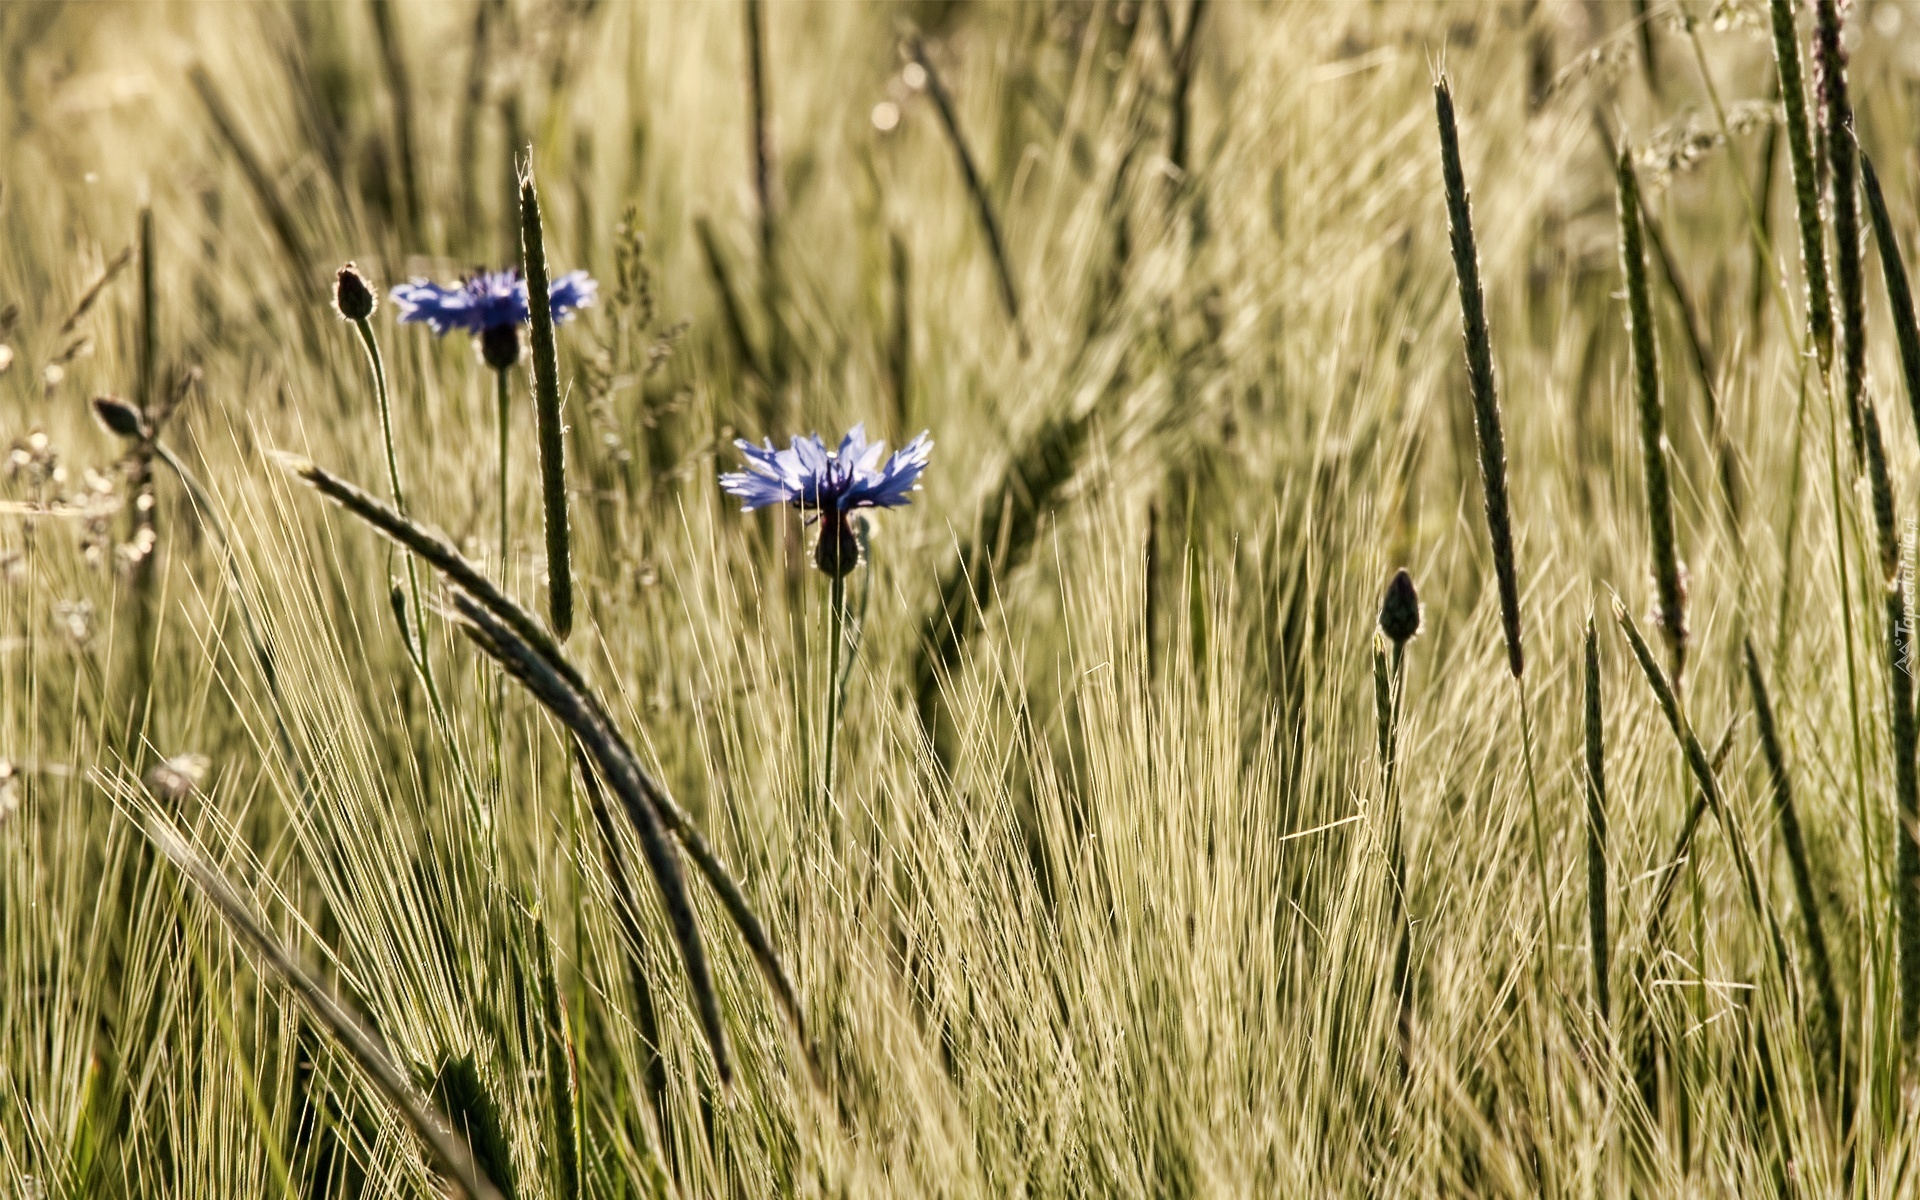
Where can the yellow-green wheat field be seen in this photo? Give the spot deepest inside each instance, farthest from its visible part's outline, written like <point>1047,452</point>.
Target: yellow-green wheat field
<point>1098,834</point>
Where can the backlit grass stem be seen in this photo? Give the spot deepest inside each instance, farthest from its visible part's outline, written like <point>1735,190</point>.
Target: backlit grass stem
<point>448,1150</point>
<point>976,187</point>
<point>1899,623</point>
<point>1830,67</point>
<point>1806,185</point>
<point>1705,777</point>
<point>1781,788</point>
<point>546,396</point>
<point>535,650</point>
<point>1596,789</point>
<point>1669,582</point>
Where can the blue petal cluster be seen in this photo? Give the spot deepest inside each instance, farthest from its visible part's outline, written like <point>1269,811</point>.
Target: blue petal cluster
<point>809,476</point>
<point>488,300</point>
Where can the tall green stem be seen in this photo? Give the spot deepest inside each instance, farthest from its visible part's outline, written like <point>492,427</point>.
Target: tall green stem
<point>836,630</point>
<point>503,407</point>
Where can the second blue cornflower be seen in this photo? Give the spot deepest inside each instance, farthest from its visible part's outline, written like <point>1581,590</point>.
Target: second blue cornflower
<point>491,305</point>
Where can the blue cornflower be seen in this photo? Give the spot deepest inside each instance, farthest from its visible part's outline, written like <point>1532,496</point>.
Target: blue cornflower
<point>491,305</point>
<point>831,482</point>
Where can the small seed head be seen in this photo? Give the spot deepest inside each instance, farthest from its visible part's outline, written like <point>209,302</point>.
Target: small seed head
<point>352,298</point>
<point>119,417</point>
<point>1400,609</point>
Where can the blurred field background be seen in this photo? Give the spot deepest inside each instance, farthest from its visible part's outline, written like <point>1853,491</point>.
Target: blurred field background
<point>1108,893</point>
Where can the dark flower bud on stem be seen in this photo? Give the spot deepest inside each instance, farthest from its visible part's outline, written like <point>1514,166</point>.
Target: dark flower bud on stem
<point>352,298</point>
<point>1400,609</point>
<point>119,417</point>
<point>839,550</point>
<point>500,346</point>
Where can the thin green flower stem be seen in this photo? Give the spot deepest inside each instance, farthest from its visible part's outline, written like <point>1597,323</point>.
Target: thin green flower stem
<point>1539,837</point>
<point>836,632</point>
<point>417,649</point>
<point>1397,861</point>
<point>503,406</point>
<point>860,618</point>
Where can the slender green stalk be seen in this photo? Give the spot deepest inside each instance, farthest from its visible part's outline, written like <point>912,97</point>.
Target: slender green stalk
<point>1806,187</point>
<point>1548,924</point>
<point>1667,568</point>
<point>859,623</point>
<point>765,192</point>
<point>143,533</point>
<point>378,366</point>
<point>1907,788</point>
<point>536,659</point>
<point>1830,62</point>
<point>416,642</point>
<point>1782,790</point>
<point>503,409</point>
<point>563,1076</point>
<point>1398,623</point>
<point>976,187</point>
<point>836,634</point>
<point>448,1150</point>
<point>546,394</point>
<point>1709,784</point>
<point>1596,787</point>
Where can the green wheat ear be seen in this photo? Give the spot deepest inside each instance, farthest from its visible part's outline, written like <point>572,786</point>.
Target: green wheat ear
<point>1668,571</point>
<point>546,395</point>
<point>1596,789</point>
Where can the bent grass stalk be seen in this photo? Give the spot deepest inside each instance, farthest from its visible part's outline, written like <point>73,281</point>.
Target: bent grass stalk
<point>1704,773</point>
<point>976,187</point>
<point>1781,787</point>
<point>1830,61</point>
<point>447,1148</point>
<point>533,649</point>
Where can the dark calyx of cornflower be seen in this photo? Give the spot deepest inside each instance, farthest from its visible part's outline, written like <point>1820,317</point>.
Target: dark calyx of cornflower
<point>500,346</point>
<point>838,551</point>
